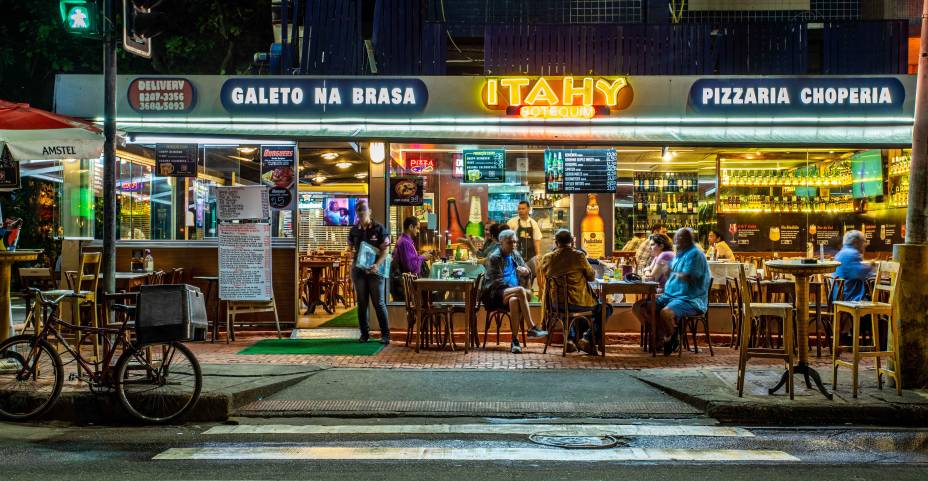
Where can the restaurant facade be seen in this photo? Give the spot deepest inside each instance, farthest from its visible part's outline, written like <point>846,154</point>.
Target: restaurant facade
<point>780,166</point>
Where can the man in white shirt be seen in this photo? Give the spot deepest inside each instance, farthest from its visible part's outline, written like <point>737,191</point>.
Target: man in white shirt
<point>527,232</point>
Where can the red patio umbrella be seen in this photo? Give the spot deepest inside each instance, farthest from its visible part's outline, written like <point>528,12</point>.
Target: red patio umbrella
<point>33,134</point>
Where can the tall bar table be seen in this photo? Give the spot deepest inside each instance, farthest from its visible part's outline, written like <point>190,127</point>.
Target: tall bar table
<point>802,272</point>
<point>7,259</point>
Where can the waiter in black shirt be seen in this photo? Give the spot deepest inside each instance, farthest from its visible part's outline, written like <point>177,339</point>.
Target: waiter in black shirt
<point>369,283</point>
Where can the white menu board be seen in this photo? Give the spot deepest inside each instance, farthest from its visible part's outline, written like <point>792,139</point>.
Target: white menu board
<point>242,202</point>
<point>245,262</point>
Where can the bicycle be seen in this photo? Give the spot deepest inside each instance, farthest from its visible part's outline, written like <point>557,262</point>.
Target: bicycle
<point>156,382</point>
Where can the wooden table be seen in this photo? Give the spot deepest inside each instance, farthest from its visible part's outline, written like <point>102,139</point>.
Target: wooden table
<point>7,259</point>
<point>314,293</point>
<point>463,286</point>
<point>802,272</point>
<point>210,282</point>
<point>622,287</point>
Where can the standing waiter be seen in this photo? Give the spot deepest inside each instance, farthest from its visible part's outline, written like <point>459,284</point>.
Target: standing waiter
<point>528,233</point>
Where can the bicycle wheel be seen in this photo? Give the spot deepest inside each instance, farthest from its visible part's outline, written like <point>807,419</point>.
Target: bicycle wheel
<point>30,379</point>
<point>159,381</point>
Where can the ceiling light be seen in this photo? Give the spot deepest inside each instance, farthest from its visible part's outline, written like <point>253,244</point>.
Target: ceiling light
<point>330,155</point>
<point>666,154</point>
<point>343,164</point>
<point>360,175</point>
<point>246,150</point>
<point>378,152</point>
<point>319,179</point>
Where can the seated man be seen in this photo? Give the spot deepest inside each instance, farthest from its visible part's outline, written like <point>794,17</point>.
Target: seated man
<point>853,269</point>
<point>687,290</point>
<point>501,288</point>
<point>567,261</point>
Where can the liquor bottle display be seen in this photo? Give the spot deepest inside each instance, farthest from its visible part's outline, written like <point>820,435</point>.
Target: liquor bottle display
<point>474,225</point>
<point>593,230</point>
<point>807,189</point>
<point>669,198</point>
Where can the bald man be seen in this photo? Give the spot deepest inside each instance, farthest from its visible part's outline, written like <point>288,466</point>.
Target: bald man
<point>687,290</point>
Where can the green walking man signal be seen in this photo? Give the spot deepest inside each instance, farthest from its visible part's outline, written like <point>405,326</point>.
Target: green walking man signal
<point>80,17</point>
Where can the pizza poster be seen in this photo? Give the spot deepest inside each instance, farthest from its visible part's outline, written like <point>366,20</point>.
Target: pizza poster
<point>407,190</point>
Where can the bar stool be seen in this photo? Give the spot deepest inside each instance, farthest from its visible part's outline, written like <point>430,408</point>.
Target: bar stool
<point>750,310</point>
<point>857,310</point>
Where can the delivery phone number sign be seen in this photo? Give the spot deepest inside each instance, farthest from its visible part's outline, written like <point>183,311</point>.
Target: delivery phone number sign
<point>245,262</point>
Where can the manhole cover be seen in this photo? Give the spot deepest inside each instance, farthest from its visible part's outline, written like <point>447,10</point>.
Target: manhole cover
<point>566,441</point>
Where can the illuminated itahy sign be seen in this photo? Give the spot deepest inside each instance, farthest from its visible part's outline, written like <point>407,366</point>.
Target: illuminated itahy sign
<point>557,97</point>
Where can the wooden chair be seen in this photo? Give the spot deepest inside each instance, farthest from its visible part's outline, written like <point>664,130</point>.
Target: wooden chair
<point>875,308</point>
<point>38,278</point>
<point>84,281</point>
<point>557,309</point>
<point>236,308</point>
<point>752,310</point>
<point>409,291</point>
<point>433,319</point>
<point>734,307</point>
<point>177,275</point>
<point>155,278</point>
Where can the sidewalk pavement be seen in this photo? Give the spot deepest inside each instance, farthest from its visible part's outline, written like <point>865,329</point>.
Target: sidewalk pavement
<point>713,392</point>
<point>495,383</point>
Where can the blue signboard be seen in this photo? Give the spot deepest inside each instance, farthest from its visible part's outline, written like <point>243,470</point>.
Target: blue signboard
<point>800,96</point>
<point>324,96</point>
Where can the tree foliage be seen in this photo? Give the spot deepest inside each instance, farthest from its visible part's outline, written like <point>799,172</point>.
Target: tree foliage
<point>205,37</point>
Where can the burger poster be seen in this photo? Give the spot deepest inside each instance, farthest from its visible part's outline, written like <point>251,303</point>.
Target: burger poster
<point>277,173</point>
<point>406,190</point>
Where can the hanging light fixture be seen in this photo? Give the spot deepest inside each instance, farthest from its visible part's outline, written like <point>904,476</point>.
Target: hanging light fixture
<point>666,154</point>
<point>360,175</point>
<point>378,152</point>
<point>319,179</point>
<point>330,155</point>
<point>246,150</point>
<point>343,164</point>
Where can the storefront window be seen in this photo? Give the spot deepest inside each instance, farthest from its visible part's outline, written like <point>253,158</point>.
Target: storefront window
<point>77,194</point>
<point>157,207</point>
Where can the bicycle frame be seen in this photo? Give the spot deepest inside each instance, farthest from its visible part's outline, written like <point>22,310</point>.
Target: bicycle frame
<point>50,330</point>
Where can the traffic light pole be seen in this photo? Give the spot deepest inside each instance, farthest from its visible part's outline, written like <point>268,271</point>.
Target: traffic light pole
<point>109,146</point>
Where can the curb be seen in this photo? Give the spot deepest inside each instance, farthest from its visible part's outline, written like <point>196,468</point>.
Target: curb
<point>86,407</point>
<point>791,414</point>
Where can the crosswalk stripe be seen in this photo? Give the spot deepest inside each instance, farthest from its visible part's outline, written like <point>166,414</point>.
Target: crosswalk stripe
<point>322,453</point>
<point>487,429</point>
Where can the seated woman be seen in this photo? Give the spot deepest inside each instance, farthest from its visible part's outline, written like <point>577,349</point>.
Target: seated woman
<point>661,257</point>
<point>501,288</point>
<point>718,248</point>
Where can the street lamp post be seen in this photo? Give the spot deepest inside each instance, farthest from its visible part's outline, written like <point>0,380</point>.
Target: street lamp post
<point>911,302</point>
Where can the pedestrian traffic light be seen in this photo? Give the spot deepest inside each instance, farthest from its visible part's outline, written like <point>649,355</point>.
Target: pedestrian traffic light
<point>140,24</point>
<point>80,17</point>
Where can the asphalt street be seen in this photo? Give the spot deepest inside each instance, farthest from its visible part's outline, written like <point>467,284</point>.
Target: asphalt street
<point>459,448</point>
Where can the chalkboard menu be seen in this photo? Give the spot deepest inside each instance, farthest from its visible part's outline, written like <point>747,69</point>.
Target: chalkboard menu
<point>484,166</point>
<point>578,171</point>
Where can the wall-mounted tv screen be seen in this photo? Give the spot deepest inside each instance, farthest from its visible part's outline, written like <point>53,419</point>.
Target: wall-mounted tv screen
<point>339,211</point>
<point>867,174</point>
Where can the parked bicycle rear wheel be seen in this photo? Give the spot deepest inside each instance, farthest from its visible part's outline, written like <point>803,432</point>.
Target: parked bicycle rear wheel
<point>158,382</point>
<point>30,379</point>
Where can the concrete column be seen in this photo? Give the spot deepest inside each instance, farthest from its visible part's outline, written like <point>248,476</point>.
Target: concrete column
<point>911,303</point>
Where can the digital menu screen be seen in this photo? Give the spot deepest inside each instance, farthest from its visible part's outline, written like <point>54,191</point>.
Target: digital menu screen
<point>580,171</point>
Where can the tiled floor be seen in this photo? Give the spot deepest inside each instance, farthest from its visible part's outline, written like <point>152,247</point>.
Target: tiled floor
<point>624,355</point>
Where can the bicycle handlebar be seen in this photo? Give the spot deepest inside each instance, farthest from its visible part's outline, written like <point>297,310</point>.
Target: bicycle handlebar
<point>45,300</point>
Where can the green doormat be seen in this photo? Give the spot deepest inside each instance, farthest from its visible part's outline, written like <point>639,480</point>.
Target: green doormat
<point>316,347</point>
<point>346,319</point>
